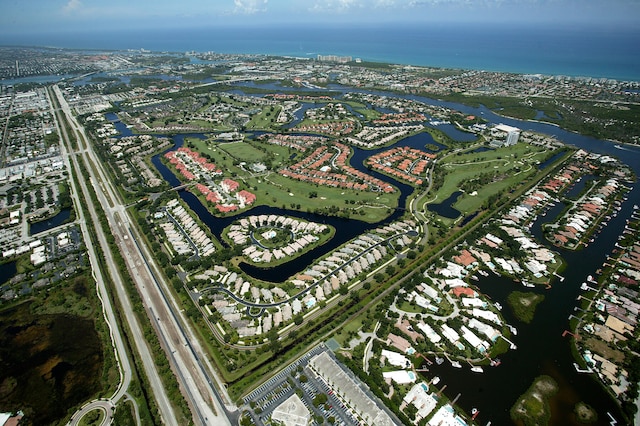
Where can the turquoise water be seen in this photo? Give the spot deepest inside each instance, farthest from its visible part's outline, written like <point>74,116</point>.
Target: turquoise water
<point>552,50</point>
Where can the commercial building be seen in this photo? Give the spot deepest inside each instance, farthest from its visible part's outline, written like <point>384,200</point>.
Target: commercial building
<point>508,135</point>
<point>349,390</point>
<point>292,412</point>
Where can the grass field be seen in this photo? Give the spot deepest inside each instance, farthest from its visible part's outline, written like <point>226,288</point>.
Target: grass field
<point>247,151</point>
<point>368,113</point>
<point>276,190</point>
<point>411,308</point>
<point>511,164</point>
<point>243,151</point>
<point>212,126</point>
<point>265,119</point>
<point>343,336</point>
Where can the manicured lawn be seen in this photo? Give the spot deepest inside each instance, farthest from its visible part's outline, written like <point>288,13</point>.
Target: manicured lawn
<point>243,151</point>
<point>468,166</point>
<point>279,191</point>
<point>343,336</point>
<point>212,126</point>
<point>265,119</point>
<point>368,113</point>
<point>249,151</point>
<point>409,307</point>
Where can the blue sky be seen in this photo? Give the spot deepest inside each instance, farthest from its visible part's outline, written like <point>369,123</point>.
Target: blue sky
<point>43,16</point>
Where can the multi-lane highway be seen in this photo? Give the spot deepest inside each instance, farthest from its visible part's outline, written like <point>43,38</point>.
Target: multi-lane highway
<point>124,366</point>
<point>195,376</point>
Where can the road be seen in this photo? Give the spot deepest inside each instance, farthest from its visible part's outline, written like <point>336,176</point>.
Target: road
<point>5,134</point>
<point>221,288</point>
<point>122,358</point>
<point>177,340</point>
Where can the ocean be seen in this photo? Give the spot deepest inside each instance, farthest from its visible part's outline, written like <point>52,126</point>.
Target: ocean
<point>589,51</point>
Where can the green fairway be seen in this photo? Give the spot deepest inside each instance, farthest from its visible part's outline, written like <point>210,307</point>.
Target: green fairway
<point>368,113</point>
<point>276,190</point>
<point>280,191</point>
<point>487,173</point>
<point>265,119</point>
<point>243,151</point>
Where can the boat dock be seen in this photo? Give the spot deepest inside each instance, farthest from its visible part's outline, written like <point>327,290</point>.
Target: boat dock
<point>511,344</point>
<point>580,370</point>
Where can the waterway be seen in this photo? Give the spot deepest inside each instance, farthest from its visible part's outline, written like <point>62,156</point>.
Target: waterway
<point>7,271</point>
<point>39,79</point>
<point>298,114</point>
<point>346,229</point>
<point>550,160</point>
<point>541,347</point>
<point>445,208</point>
<point>57,220</point>
<point>579,186</point>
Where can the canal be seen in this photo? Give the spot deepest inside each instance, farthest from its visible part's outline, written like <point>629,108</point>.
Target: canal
<point>61,217</point>
<point>541,347</point>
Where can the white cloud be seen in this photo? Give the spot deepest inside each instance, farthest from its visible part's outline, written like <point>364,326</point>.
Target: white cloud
<point>335,6</point>
<point>72,5</point>
<point>249,6</point>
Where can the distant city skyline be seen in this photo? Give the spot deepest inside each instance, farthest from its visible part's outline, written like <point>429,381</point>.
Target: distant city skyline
<point>68,16</point>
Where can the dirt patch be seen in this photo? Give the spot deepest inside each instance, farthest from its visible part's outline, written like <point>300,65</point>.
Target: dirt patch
<point>527,301</point>
<point>602,348</point>
<point>584,413</point>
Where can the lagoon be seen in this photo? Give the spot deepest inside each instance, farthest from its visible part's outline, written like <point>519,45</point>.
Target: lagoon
<point>50,223</point>
<point>445,208</point>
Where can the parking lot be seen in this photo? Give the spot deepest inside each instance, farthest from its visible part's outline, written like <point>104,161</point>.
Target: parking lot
<point>298,378</point>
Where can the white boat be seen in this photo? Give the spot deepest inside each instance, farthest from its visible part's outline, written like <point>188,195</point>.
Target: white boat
<point>477,369</point>
<point>456,364</point>
<point>498,306</point>
<point>474,414</point>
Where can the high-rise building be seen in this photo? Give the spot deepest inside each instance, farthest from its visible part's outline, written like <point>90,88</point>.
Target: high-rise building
<point>334,58</point>
<point>509,133</point>
<point>512,137</point>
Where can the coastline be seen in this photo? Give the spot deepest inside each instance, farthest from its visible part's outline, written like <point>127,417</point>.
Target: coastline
<point>585,52</point>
